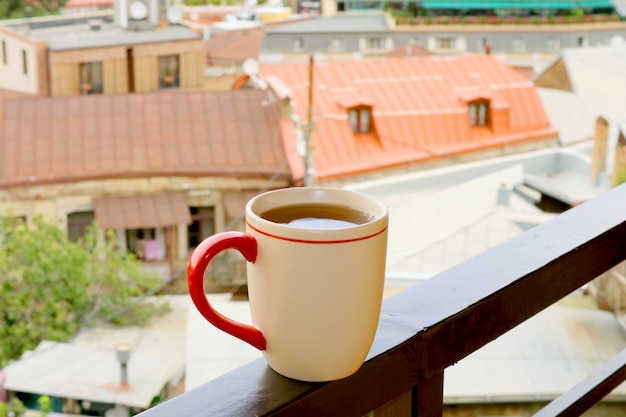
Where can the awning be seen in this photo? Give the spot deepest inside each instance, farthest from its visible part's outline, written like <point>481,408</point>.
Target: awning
<point>516,4</point>
<point>141,211</point>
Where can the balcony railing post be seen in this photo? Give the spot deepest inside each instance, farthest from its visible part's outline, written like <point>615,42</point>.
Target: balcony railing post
<point>428,397</point>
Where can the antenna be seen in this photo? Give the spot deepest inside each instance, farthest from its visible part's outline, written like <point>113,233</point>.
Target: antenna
<point>138,10</point>
<point>174,14</point>
<point>250,67</point>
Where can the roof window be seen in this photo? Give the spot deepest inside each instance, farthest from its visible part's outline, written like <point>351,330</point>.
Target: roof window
<point>479,113</point>
<point>360,119</point>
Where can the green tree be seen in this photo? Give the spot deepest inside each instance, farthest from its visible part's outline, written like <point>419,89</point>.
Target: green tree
<point>50,287</point>
<point>16,407</point>
<point>45,405</point>
<point>10,9</point>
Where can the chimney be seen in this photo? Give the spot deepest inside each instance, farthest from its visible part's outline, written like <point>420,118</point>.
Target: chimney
<point>122,352</point>
<point>600,143</point>
<point>503,197</point>
<point>409,47</point>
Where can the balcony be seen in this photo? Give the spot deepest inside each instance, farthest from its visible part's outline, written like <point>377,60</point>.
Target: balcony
<point>427,328</point>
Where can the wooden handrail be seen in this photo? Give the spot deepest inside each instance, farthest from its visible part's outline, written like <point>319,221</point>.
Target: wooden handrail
<point>435,324</point>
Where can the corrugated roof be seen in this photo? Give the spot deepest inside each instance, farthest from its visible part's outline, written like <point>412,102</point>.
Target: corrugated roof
<point>141,211</point>
<point>208,133</point>
<point>418,110</point>
<point>368,23</point>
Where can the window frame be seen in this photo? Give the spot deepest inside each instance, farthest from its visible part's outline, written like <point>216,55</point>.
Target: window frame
<point>91,76</point>
<point>479,112</point>
<point>360,119</point>
<point>5,53</point>
<point>298,44</point>
<point>169,71</point>
<point>24,62</point>
<point>445,43</point>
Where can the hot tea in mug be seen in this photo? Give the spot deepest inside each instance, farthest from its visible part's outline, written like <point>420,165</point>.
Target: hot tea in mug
<point>317,216</point>
<point>316,267</point>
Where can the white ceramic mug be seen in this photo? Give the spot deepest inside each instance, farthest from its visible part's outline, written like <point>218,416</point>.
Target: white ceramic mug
<point>315,294</point>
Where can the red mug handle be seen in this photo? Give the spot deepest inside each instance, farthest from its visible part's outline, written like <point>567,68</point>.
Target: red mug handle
<point>245,243</point>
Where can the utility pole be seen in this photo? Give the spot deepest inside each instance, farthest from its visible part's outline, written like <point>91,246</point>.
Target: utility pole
<point>308,154</point>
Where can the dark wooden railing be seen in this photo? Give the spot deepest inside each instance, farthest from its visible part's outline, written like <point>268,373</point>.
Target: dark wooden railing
<point>426,328</point>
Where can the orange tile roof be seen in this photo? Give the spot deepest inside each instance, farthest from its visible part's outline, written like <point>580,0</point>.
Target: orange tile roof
<point>66,139</point>
<point>419,110</point>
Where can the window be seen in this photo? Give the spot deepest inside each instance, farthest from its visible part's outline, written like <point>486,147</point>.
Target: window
<point>202,226</point>
<point>445,43</point>
<point>479,113</point>
<point>144,243</point>
<point>78,223</point>
<point>169,76</point>
<point>375,43</point>
<point>518,45</point>
<point>5,59</point>
<point>582,41</point>
<point>298,44</point>
<point>553,44</point>
<point>336,44</point>
<point>91,78</point>
<point>360,119</point>
<point>24,62</point>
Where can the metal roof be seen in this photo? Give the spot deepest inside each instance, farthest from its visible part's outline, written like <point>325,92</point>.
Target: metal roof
<point>88,369</point>
<point>175,133</point>
<point>419,110</point>
<point>81,36</point>
<point>141,211</point>
<point>371,23</point>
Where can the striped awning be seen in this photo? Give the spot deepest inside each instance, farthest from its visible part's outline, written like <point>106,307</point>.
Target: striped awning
<point>141,211</point>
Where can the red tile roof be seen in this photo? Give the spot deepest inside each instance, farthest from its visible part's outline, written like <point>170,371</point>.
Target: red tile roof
<point>66,139</point>
<point>420,110</point>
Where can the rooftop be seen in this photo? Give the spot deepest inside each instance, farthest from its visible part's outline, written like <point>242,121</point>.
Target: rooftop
<point>175,133</point>
<point>419,110</point>
<point>87,368</point>
<point>82,36</point>
<point>368,23</point>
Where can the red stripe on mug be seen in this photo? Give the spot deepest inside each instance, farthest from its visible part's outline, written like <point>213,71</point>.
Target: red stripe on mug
<point>319,242</point>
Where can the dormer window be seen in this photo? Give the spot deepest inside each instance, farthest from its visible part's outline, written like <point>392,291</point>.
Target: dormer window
<point>360,119</point>
<point>479,113</point>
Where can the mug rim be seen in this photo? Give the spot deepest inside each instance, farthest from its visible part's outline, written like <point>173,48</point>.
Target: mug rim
<point>278,198</point>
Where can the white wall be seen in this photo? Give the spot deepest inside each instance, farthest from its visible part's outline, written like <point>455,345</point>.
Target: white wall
<point>14,50</point>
